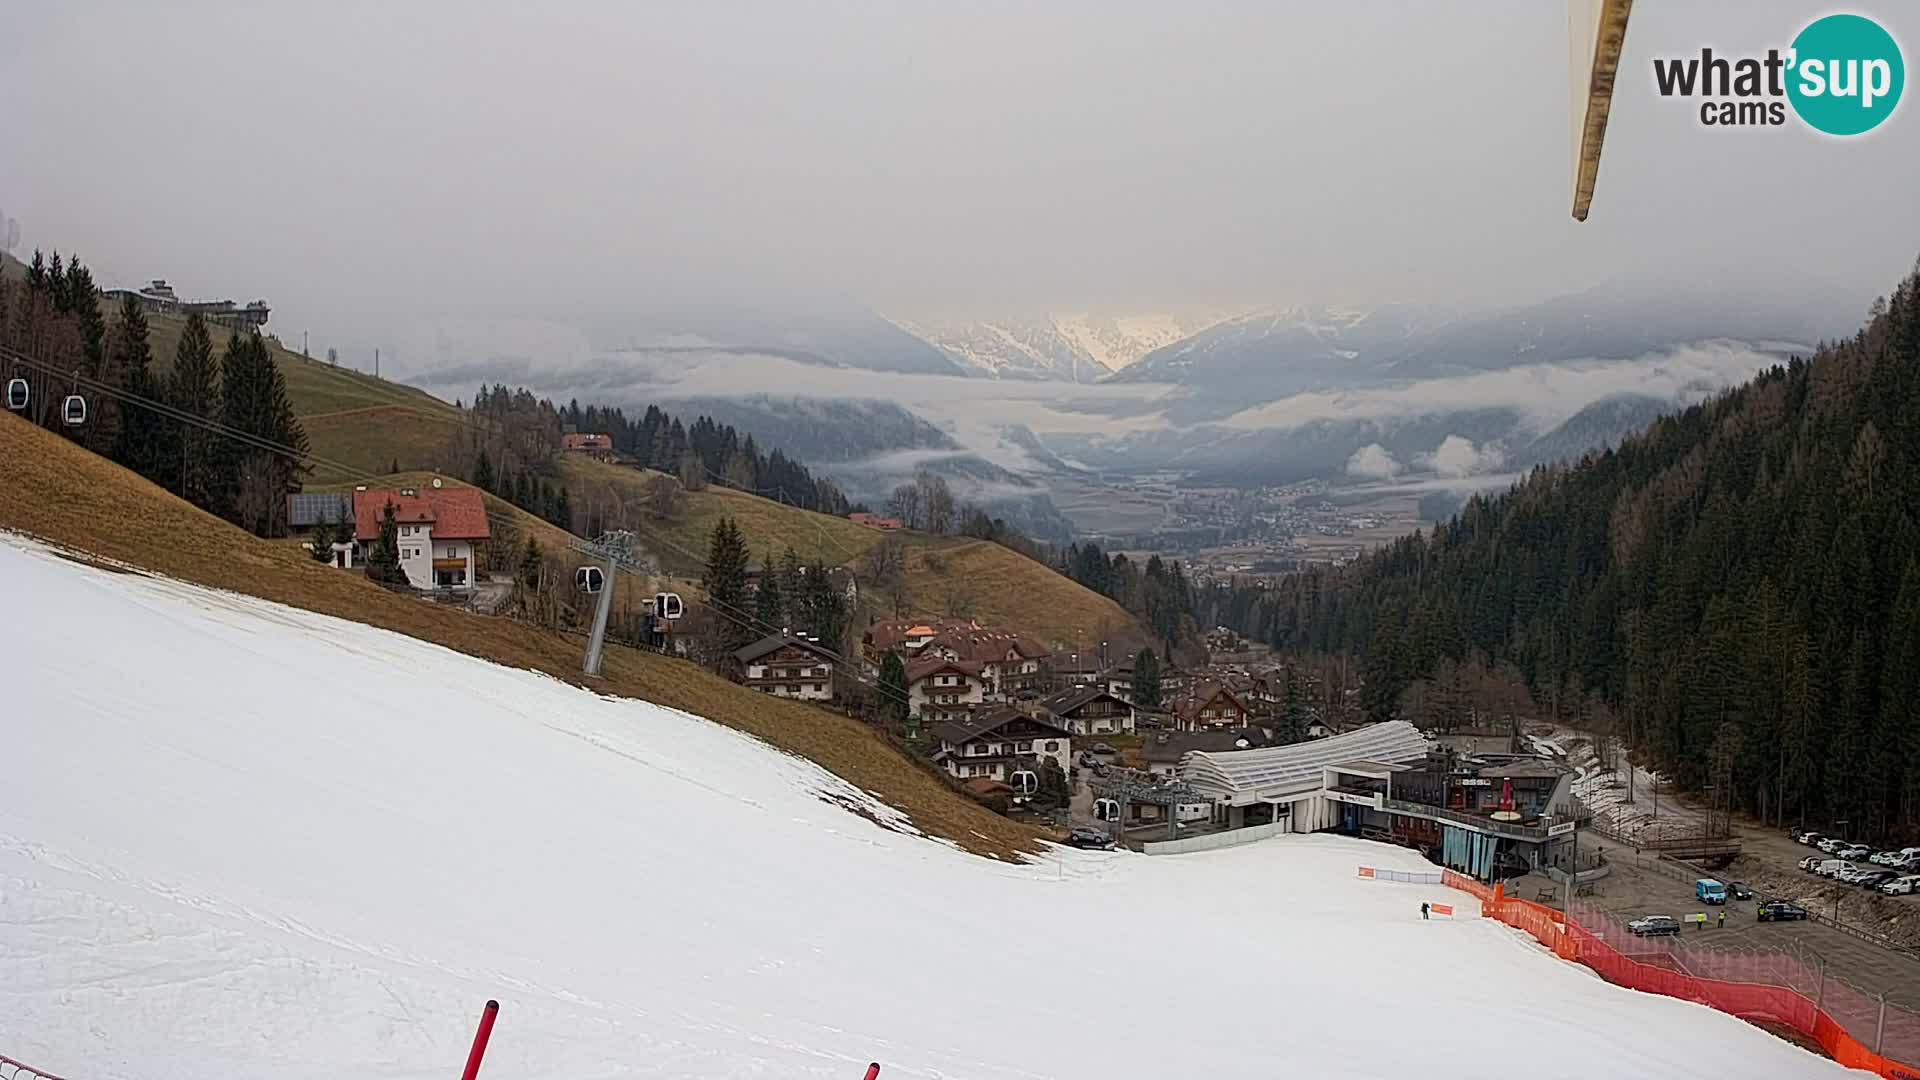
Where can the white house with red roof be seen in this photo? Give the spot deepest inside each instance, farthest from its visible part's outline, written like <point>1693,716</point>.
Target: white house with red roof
<point>438,528</point>
<point>938,688</point>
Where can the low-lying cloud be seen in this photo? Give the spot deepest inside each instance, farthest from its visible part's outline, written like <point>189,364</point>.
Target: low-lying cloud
<point>1456,456</point>
<point>1372,462</point>
<point>1546,395</point>
<point>977,412</point>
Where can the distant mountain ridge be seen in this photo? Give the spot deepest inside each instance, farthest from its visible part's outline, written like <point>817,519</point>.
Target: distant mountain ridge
<point>1065,347</point>
<point>1286,346</point>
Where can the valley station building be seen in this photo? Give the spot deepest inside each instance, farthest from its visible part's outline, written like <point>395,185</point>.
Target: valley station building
<point>1488,815</point>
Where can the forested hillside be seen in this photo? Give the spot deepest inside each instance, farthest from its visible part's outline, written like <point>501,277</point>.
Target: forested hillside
<point>1740,584</point>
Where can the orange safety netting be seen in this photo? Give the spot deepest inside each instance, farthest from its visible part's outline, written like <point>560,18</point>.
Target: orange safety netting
<point>1750,996</point>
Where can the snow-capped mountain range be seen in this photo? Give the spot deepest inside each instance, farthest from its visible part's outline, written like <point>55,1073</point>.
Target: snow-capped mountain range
<point>1069,347</point>
<point>1303,339</point>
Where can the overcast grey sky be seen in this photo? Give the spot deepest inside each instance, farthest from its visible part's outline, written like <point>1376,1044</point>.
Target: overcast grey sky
<point>359,164</point>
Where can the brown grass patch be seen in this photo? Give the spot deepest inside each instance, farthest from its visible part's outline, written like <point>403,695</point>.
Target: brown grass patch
<point>55,490</point>
<point>1003,588</point>
<point>1000,587</point>
<point>681,544</point>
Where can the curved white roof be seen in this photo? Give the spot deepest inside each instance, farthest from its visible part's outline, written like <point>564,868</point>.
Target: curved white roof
<point>1394,742</point>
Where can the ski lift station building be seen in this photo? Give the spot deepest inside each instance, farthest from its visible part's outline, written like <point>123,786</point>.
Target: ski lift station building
<point>1388,781</point>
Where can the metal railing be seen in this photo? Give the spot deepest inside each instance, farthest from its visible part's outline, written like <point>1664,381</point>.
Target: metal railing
<point>18,1070</point>
<point>1498,828</point>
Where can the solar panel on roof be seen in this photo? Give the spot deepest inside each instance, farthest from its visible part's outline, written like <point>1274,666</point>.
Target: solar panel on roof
<point>308,508</point>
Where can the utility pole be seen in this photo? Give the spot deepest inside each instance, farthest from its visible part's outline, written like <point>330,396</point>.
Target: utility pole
<point>617,549</point>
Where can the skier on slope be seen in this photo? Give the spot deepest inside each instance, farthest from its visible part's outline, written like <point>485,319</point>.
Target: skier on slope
<point>1423,909</point>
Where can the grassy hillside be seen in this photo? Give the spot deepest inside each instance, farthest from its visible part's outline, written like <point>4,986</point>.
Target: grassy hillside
<point>681,544</point>
<point>998,586</point>
<point>350,417</point>
<point>367,424</point>
<point>1004,588</point>
<point>53,489</point>
<point>504,518</point>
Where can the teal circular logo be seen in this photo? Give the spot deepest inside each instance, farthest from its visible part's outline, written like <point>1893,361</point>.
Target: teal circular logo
<point>1846,74</point>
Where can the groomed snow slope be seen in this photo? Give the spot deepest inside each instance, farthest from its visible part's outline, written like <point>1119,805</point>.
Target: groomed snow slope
<point>238,839</point>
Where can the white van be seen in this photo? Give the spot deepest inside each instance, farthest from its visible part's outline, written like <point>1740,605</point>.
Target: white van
<point>1830,867</point>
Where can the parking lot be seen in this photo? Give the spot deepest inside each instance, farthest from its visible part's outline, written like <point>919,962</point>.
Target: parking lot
<point>1632,888</point>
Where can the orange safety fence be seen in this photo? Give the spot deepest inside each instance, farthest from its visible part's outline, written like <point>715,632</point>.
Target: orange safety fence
<point>1749,996</point>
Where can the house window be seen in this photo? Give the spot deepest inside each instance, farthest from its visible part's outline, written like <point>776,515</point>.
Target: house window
<point>1026,746</point>
<point>1053,745</point>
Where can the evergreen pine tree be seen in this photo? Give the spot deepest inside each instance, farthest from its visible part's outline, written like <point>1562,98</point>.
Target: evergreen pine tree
<point>892,688</point>
<point>226,456</point>
<point>194,389</point>
<point>1146,679</point>
<point>770,603</point>
<point>254,400</point>
<point>483,471</point>
<point>321,546</point>
<point>1293,707</point>
<point>140,442</point>
<point>726,584</point>
<point>383,561</point>
<point>563,510</point>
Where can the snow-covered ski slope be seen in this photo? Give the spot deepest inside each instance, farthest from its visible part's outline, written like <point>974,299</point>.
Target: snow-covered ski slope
<point>240,840</point>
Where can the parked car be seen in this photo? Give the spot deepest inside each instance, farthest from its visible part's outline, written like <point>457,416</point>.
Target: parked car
<point>1803,836</point>
<point>1739,891</point>
<point>1830,867</point>
<point>1780,911</point>
<point>1901,886</point>
<point>1087,760</point>
<point>1086,836</point>
<point>1873,879</point>
<point>1708,891</point>
<point>1104,749</point>
<point>1654,926</point>
<point>1850,874</point>
<point>1811,863</point>
<point>1854,851</point>
<point>1829,844</point>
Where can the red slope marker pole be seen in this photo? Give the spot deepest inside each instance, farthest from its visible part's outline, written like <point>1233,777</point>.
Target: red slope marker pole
<point>873,1071</point>
<point>480,1040</point>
